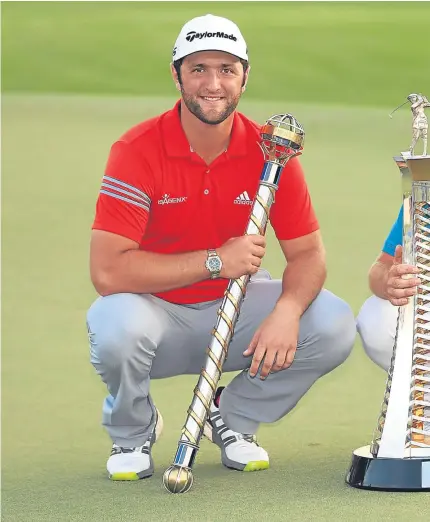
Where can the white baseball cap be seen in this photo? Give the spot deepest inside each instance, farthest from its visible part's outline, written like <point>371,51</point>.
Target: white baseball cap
<point>210,33</point>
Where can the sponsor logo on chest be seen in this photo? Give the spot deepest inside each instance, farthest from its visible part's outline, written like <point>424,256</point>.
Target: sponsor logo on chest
<point>243,199</point>
<point>167,200</point>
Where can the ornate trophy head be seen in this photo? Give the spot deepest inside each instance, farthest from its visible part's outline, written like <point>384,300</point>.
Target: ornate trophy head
<point>282,137</point>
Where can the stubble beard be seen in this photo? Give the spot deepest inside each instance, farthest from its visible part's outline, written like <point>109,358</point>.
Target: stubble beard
<point>192,104</point>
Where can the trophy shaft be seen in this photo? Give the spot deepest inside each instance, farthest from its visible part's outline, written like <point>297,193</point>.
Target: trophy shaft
<point>271,174</point>
<point>281,139</point>
<point>222,333</point>
<point>394,420</point>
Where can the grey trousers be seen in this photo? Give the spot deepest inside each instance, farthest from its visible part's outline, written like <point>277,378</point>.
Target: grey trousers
<point>135,338</point>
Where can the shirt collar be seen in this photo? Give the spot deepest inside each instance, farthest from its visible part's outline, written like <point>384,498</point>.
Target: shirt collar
<point>238,141</point>
<point>176,143</point>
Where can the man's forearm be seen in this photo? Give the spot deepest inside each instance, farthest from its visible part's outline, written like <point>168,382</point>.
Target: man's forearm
<point>142,272</point>
<point>378,277</point>
<point>302,281</point>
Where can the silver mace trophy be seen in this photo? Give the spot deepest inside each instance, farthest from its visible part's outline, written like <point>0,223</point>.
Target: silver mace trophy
<point>282,138</point>
<point>398,459</point>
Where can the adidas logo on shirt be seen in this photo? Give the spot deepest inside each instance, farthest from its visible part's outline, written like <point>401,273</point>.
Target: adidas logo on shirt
<point>243,199</point>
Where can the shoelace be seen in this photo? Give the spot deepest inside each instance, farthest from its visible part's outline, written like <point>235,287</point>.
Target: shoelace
<point>239,436</point>
<point>118,449</point>
<point>251,439</point>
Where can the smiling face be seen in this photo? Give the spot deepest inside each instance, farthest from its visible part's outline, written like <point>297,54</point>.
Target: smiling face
<point>211,83</point>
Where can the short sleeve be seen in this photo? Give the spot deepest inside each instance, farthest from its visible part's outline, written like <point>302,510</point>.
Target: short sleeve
<point>394,238</point>
<point>126,191</point>
<point>292,214</point>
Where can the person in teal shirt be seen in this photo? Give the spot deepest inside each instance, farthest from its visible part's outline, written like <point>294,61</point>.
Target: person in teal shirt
<point>377,319</point>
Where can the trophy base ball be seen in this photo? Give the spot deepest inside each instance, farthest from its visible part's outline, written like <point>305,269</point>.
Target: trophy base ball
<point>386,474</point>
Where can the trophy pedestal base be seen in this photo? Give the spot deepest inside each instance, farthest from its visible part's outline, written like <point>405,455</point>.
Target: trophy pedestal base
<point>385,474</point>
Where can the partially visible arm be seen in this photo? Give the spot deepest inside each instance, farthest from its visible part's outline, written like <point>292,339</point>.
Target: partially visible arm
<point>117,265</point>
<point>275,340</point>
<point>122,212</point>
<point>296,227</point>
<point>305,273</point>
<point>392,280</point>
<point>378,275</point>
<point>382,279</point>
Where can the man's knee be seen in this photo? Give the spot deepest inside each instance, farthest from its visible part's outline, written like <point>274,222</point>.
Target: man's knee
<point>120,325</point>
<point>376,323</point>
<point>334,327</point>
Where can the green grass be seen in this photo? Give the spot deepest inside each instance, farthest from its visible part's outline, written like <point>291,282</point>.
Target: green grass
<point>355,53</point>
<point>339,68</point>
<point>54,449</point>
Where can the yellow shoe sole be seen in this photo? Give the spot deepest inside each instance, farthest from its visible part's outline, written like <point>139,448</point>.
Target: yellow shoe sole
<point>127,475</point>
<point>256,465</point>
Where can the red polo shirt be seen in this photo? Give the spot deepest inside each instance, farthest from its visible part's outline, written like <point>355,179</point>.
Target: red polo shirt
<point>159,193</point>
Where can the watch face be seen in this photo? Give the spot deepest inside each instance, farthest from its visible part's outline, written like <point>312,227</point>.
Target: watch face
<point>214,264</point>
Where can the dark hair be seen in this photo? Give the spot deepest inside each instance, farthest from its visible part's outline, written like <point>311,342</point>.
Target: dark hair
<point>177,65</point>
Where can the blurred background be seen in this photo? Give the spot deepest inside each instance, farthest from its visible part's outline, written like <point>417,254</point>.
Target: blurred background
<point>75,76</point>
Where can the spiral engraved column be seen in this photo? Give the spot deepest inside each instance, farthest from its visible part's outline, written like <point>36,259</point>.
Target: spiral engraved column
<point>281,139</point>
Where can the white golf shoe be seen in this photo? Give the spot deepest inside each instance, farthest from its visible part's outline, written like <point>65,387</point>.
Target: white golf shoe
<point>238,451</point>
<point>134,463</point>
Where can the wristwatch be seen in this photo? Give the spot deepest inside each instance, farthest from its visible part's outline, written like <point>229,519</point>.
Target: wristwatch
<point>213,263</point>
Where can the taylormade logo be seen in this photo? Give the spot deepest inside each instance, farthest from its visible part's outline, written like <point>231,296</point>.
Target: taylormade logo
<point>192,35</point>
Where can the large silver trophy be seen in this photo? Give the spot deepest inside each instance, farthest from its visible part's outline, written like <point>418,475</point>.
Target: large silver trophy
<point>281,139</point>
<point>398,459</point>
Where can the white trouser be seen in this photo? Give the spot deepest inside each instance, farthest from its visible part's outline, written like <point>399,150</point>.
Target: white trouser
<point>376,325</point>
